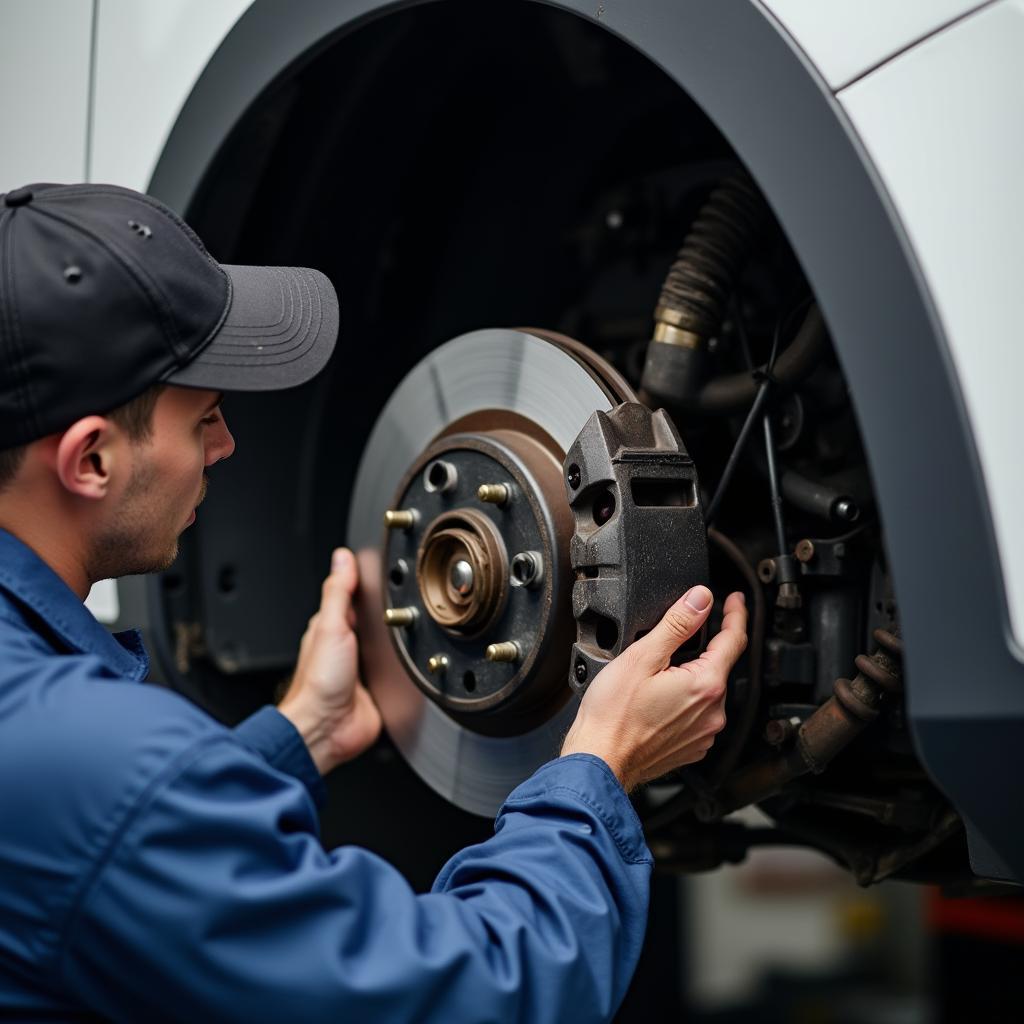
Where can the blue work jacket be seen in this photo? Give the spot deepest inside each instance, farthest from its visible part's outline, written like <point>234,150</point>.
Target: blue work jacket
<point>157,866</point>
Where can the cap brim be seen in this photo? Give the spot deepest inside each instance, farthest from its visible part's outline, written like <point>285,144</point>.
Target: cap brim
<point>279,332</point>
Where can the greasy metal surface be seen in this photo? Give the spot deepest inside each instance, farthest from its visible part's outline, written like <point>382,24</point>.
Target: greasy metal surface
<point>484,370</point>
<point>639,539</point>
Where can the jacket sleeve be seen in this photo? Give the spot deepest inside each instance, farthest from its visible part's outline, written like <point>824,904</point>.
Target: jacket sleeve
<point>216,901</point>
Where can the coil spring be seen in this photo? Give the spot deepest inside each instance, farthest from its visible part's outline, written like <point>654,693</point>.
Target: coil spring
<point>698,284</point>
<point>885,667</point>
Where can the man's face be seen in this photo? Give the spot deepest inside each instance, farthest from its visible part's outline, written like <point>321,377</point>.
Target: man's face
<point>161,485</point>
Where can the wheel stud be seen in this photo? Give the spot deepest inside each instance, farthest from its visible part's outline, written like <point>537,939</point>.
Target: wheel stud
<point>505,651</point>
<point>400,616</point>
<point>401,519</point>
<point>493,494</point>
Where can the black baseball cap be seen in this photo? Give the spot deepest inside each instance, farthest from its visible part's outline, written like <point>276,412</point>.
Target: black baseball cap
<point>105,292</point>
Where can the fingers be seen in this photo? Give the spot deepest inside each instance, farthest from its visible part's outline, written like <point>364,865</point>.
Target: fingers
<point>731,640</point>
<point>677,625</point>
<point>336,599</point>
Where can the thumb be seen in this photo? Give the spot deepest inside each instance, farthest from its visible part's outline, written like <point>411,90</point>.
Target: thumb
<point>677,625</point>
<point>339,586</point>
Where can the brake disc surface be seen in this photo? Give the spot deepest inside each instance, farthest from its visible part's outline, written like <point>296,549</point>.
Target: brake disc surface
<point>453,408</point>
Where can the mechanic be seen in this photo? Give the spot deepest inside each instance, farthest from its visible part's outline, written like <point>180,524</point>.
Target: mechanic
<point>155,865</point>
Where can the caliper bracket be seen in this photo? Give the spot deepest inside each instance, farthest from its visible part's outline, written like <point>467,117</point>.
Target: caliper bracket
<point>639,539</point>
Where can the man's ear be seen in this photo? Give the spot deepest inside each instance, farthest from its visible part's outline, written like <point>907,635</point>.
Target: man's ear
<point>86,456</point>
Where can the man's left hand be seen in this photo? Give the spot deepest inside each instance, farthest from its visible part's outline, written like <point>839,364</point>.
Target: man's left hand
<point>326,701</point>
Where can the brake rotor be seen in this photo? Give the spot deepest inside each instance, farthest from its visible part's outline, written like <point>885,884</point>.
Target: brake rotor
<point>465,605</point>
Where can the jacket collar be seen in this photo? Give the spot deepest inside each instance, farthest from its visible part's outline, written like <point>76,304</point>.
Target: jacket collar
<point>25,576</point>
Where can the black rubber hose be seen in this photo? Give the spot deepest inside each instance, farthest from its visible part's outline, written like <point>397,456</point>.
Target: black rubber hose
<point>698,284</point>
<point>732,393</point>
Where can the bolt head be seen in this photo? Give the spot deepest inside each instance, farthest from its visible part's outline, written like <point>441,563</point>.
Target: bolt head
<point>580,670</point>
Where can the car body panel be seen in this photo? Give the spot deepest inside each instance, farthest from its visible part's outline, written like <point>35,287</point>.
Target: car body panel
<point>845,39</point>
<point>938,124</point>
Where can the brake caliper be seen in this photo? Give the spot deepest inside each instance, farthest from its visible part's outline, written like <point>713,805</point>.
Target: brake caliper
<point>639,540</point>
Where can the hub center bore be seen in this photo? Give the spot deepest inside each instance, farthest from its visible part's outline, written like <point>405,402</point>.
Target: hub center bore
<point>461,571</point>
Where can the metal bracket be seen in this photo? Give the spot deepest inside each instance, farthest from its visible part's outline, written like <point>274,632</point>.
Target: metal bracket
<point>639,539</point>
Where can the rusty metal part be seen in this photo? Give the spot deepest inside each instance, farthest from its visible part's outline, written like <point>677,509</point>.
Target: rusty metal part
<point>612,383</point>
<point>461,570</point>
<point>853,706</point>
<point>639,539</point>
<point>779,731</point>
<point>804,550</point>
<point>766,570</point>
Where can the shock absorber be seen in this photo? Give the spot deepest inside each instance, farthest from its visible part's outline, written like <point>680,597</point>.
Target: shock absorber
<point>693,298</point>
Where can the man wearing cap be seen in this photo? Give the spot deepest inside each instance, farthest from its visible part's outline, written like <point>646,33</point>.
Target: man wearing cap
<point>155,865</point>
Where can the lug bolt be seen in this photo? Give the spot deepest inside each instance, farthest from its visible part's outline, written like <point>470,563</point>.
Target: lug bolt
<point>400,616</point>
<point>580,670</point>
<point>401,519</point>
<point>527,569</point>
<point>505,651</point>
<point>493,494</point>
<point>437,663</point>
<point>804,550</point>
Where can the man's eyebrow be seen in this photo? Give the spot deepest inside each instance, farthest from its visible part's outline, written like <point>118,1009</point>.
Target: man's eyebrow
<point>213,405</point>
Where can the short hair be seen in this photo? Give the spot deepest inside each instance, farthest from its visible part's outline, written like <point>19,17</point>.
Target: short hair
<point>135,418</point>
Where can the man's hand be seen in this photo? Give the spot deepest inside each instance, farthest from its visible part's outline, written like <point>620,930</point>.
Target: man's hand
<point>326,701</point>
<point>643,717</point>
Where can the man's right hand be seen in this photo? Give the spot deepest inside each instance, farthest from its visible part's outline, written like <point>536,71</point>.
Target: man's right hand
<point>643,717</point>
